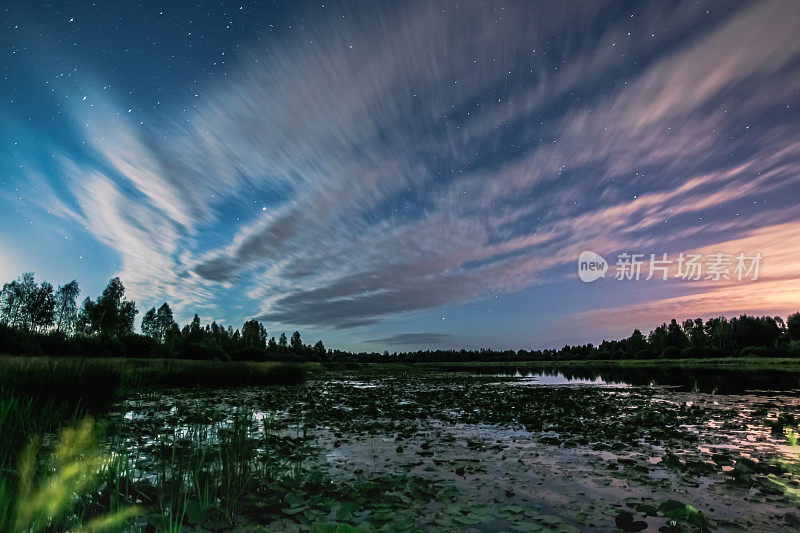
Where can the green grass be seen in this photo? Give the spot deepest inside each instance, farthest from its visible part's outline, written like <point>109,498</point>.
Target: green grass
<point>44,380</point>
<point>187,373</point>
<point>50,491</point>
<point>72,484</point>
<point>22,418</point>
<point>201,474</point>
<point>96,381</point>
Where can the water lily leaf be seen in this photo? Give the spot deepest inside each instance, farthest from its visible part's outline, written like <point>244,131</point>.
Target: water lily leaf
<point>626,522</point>
<point>527,527</point>
<point>295,510</point>
<point>646,509</point>
<point>678,511</point>
<point>345,511</point>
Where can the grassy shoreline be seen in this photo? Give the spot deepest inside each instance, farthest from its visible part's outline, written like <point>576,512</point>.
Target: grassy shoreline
<point>722,363</point>
<point>98,381</point>
<point>789,364</point>
<point>82,378</point>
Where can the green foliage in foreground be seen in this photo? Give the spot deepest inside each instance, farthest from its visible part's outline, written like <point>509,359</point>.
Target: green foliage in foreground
<point>239,472</point>
<point>48,493</point>
<point>72,485</point>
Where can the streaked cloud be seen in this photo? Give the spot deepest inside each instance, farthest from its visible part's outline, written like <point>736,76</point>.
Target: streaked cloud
<point>412,339</point>
<point>418,157</point>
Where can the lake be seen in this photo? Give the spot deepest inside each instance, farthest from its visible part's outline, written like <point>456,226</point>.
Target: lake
<point>510,450</point>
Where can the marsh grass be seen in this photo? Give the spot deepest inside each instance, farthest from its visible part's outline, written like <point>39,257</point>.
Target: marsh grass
<point>76,486</point>
<point>22,418</point>
<point>54,491</point>
<point>188,373</point>
<point>22,421</point>
<point>95,382</point>
<point>80,382</point>
<point>210,472</point>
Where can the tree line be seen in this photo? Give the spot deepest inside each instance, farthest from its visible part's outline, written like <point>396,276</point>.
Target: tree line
<point>37,319</point>
<point>743,336</point>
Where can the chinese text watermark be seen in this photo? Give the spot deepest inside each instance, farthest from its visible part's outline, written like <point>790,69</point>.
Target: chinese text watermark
<point>633,266</point>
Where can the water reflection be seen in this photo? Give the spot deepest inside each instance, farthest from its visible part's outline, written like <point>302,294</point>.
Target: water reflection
<point>721,381</point>
<point>598,447</point>
<point>558,378</point>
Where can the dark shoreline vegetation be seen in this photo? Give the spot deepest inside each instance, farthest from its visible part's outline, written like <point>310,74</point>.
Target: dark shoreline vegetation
<point>211,429</point>
<point>36,319</point>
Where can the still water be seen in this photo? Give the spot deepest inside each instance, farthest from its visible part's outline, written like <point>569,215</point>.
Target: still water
<point>569,450</point>
<point>721,381</point>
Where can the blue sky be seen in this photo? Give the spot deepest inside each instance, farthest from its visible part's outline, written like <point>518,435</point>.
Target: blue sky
<point>403,174</point>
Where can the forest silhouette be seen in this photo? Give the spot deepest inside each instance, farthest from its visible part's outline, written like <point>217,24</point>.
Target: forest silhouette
<point>37,319</point>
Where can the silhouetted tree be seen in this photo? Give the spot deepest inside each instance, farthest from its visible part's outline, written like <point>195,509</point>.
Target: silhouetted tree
<point>42,307</point>
<point>696,333</point>
<point>657,340</point>
<point>675,337</point>
<point>319,348</point>
<point>297,344</point>
<point>83,322</point>
<point>149,323</point>
<point>112,314</point>
<point>793,326</point>
<point>164,322</point>
<point>26,304</point>
<point>254,335</point>
<point>11,303</point>
<point>636,343</point>
<point>754,331</point>
<point>719,335</point>
<point>28,290</point>
<point>193,332</point>
<point>17,301</point>
<point>67,306</point>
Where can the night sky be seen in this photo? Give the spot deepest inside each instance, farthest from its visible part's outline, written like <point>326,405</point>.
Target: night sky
<point>404,174</point>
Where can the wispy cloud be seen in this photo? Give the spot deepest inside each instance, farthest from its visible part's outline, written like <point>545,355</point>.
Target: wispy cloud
<point>412,339</point>
<point>411,158</point>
